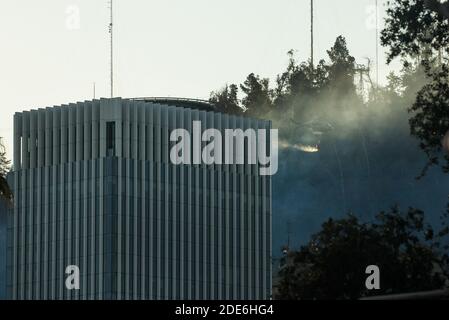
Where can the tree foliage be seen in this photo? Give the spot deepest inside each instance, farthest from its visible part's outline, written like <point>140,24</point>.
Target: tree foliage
<point>257,100</point>
<point>294,88</point>
<point>342,67</point>
<point>5,191</point>
<point>409,253</point>
<point>430,120</point>
<point>419,30</point>
<point>413,27</point>
<point>226,100</point>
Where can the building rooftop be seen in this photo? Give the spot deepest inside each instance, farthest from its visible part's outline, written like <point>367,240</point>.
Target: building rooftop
<point>180,102</point>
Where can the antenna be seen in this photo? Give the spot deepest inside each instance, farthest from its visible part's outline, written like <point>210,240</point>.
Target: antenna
<point>311,33</point>
<point>94,90</point>
<point>377,43</point>
<point>112,47</point>
<point>364,75</point>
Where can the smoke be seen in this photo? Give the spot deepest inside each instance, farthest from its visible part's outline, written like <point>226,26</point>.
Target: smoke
<point>445,142</point>
<point>339,154</point>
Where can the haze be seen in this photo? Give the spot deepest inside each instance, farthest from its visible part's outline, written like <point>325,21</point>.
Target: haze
<point>163,48</point>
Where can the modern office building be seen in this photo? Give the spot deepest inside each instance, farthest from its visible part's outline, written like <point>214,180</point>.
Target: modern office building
<point>94,187</point>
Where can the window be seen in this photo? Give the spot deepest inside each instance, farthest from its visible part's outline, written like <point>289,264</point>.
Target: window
<point>110,138</point>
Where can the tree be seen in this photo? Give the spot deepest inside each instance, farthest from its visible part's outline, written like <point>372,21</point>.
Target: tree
<point>303,83</point>
<point>394,85</point>
<point>430,121</point>
<point>419,30</point>
<point>413,27</point>
<point>342,67</point>
<point>258,96</point>
<point>226,100</point>
<point>282,92</point>
<point>297,88</point>
<point>5,191</point>
<point>409,253</point>
<point>299,85</point>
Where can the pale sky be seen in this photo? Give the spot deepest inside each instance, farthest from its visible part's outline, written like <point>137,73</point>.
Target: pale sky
<point>173,48</point>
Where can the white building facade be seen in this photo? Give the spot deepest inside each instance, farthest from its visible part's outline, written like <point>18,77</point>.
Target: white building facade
<point>94,187</point>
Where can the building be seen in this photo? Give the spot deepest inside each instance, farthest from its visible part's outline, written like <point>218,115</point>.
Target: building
<point>94,187</point>
<point>3,232</point>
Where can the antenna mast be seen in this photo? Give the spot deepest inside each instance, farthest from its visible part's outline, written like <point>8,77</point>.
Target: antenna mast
<point>311,33</point>
<point>112,48</point>
<point>377,43</point>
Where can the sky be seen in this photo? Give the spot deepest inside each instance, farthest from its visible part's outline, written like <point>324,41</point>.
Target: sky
<point>53,51</point>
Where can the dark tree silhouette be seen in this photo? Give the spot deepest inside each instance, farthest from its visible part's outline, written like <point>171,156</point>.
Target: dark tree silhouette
<point>226,100</point>
<point>419,30</point>
<point>257,100</point>
<point>5,191</point>
<point>430,120</point>
<point>332,265</point>
<point>341,69</point>
<point>413,27</point>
